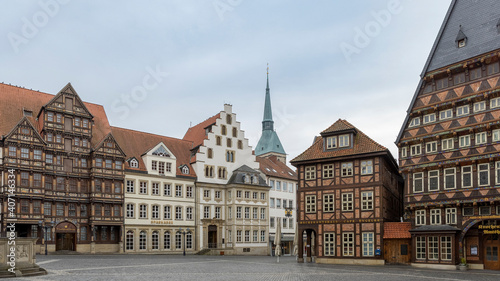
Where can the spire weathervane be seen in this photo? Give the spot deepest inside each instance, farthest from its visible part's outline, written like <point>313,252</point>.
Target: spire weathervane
<point>267,68</point>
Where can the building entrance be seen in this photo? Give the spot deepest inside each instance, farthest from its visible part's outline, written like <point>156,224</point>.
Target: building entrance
<point>65,237</point>
<point>212,236</point>
<point>492,251</point>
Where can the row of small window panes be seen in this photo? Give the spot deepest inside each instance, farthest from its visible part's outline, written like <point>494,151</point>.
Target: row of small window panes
<point>207,194</point>
<point>286,223</point>
<point>155,189</point>
<point>281,186</point>
<point>156,212</point>
<point>78,122</point>
<point>49,137</point>
<point>460,111</point>
<point>347,202</point>
<point>70,185</point>
<point>346,170</point>
<point>104,233</point>
<point>108,163</point>
<point>239,236</point>
<point>459,78</point>
<point>449,178</point>
<point>343,141</point>
<point>239,210</point>
<point>155,240</point>
<point>450,214</point>
<point>434,250</point>
<point>240,193</point>
<point>71,210</point>
<point>209,172</point>
<point>229,143</point>
<point>161,167</point>
<point>480,138</point>
<point>105,186</point>
<point>278,203</point>
<point>25,153</point>
<point>348,244</point>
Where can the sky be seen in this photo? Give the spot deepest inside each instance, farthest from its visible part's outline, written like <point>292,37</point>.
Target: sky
<point>160,66</point>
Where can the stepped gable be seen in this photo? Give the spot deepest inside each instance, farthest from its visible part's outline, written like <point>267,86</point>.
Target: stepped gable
<point>197,134</point>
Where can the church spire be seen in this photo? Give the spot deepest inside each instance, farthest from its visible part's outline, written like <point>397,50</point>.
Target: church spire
<point>267,122</point>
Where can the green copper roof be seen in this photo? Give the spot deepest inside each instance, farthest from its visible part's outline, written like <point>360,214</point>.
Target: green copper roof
<point>269,141</point>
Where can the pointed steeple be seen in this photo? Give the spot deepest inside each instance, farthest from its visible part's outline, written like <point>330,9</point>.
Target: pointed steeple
<point>269,142</point>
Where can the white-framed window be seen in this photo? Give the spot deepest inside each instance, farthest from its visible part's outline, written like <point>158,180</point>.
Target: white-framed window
<point>344,141</point>
<point>311,204</point>
<point>255,236</point>
<point>348,244</point>
<point>447,144</point>
<point>404,152</point>
<point>155,188</point>
<point>368,244</point>
<point>466,176</point>
<point>155,212</point>
<point>462,110</point>
<point>142,240</point>
<point>435,217</point>
<point>206,193</point>
<point>167,189</point>
<point>433,244</point>
<point>271,202</point>
<point>255,213</point>
<point>247,212</point>
<point>328,171</point>
<point>189,213</point>
<point>451,216</point>
<point>310,172</point>
<point>497,172</point>
<point>262,213</point>
<point>418,182</point>
<point>143,211</point>
<point>429,118</point>
<point>331,142</point>
<point>329,244</point>
<point>431,147</point>
<point>178,213</point>
<point>328,203</point>
<point>167,212</point>
<point>262,236</point>
<point>483,172</point>
<point>238,235</point>
<point>445,114</point>
<point>481,138</point>
<point>464,141</point>
<point>278,203</point>
<point>420,243</point>
<point>178,191</point>
<point>347,169</point>
<point>494,103</point>
<point>484,210</point>
<point>238,212</point>
<point>347,202</point>
<point>479,106</point>
<point>416,149</point>
<point>130,211</point>
<point>446,248</point>
<point>450,178</point>
<point>420,217</point>
<point>433,180</point>
<point>495,135</point>
<point>130,186</point>
<point>415,122</point>
<point>206,212</point>
<point>367,200</point>
<point>143,187</point>
<point>367,167</point>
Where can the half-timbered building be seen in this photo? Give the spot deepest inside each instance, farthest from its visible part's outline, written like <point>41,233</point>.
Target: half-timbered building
<point>68,170</point>
<point>349,185</point>
<point>449,144</point>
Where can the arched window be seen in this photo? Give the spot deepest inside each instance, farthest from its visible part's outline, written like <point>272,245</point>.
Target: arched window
<point>189,240</point>
<point>143,240</point>
<point>210,153</point>
<point>211,171</point>
<point>223,130</point>
<point>235,132</point>
<point>134,163</point>
<point>229,119</point>
<point>129,240</point>
<point>218,140</point>
<point>166,240</point>
<point>155,240</point>
<point>178,240</point>
<point>240,144</point>
<point>229,142</point>
<point>185,170</point>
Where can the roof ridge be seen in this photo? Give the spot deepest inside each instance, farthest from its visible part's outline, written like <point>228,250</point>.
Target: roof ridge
<point>205,120</point>
<point>152,134</point>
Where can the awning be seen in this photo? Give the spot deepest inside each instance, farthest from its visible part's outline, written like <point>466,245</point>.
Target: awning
<point>284,238</point>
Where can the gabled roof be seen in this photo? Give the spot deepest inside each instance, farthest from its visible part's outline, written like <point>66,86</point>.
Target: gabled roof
<point>243,171</point>
<point>397,230</point>
<point>478,20</point>
<point>339,126</point>
<point>362,144</point>
<point>13,100</point>
<point>135,144</point>
<point>196,134</point>
<point>271,167</point>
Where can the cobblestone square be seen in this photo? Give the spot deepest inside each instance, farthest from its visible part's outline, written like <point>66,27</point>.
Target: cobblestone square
<point>174,267</point>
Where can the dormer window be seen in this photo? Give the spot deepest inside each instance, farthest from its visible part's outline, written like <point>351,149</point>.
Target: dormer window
<point>331,142</point>
<point>461,39</point>
<point>185,170</point>
<point>161,151</point>
<point>461,43</point>
<point>134,163</point>
<point>344,141</point>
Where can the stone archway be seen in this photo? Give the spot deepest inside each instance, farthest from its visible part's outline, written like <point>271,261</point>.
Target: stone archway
<point>486,246</point>
<point>65,236</point>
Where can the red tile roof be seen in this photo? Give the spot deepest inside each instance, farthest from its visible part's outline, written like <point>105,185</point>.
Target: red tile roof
<point>13,100</point>
<point>135,144</point>
<point>274,168</point>
<point>196,134</point>
<point>362,144</point>
<point>397,230</point>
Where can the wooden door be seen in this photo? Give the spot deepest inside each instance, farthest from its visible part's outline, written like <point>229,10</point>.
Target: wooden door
<point>492,252</point>
<point>397,251</point>
<point>212,236</point>
<point>65,242</point>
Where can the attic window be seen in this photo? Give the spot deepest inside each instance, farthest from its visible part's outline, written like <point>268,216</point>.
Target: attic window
<point>461,38</point>
<point>185,170</point>
<point>161,151</point>
<point>28,113</point>
<point>461,43</point>
<point>134,163</point>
